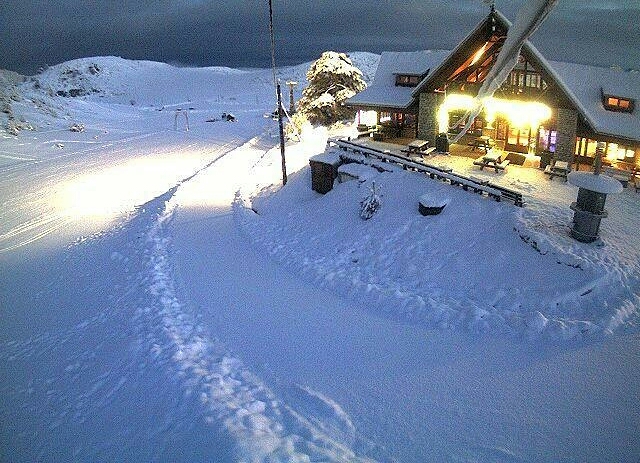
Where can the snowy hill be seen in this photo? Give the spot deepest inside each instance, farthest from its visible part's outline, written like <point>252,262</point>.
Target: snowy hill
<point>42,99</point>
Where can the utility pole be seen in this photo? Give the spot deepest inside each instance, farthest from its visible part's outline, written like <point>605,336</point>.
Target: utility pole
<point>278,96</point>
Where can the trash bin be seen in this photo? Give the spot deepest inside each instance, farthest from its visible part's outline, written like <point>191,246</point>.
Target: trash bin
<point>442,143</point>
<point>545,158</point>
<point>324,170</point>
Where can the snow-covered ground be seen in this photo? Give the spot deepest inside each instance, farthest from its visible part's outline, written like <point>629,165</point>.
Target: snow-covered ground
<point>163,299</point>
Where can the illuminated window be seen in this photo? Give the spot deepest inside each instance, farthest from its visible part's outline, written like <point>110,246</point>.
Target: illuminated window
<point>616,103</point>
<point>522,80</point>
<point>547,140</point>
<point>613,151</point>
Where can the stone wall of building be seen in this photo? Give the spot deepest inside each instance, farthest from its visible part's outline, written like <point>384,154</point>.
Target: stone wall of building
<point>567,121</point>
<point>428,116</point>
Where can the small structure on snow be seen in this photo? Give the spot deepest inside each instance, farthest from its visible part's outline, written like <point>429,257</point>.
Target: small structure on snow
<point>186,119</point>
<point>228,117</point>
<point>592,193</point>
<point>324,170</point>
<point>429,204</point>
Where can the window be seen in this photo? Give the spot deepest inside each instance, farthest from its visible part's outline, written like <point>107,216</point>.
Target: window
<point>616,103</point>
<point>526,80</point>
<point>612,151</point>
<point>547,140</point>
<point>407,80</point>
<point>519,137</point>
<point>458,119</point>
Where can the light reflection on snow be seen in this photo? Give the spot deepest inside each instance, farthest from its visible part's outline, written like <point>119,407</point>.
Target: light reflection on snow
<point>121,188</point>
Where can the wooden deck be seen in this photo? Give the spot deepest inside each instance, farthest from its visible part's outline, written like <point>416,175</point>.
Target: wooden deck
<point>383,155</point>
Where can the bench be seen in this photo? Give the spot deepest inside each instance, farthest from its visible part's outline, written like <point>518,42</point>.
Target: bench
<point>422,154</point>
<point>366,133</point>
<point>477,181</point>
<point>483,142</point>
<point>428,151</point>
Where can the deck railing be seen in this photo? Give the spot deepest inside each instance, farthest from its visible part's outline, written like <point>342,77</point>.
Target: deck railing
<point>496,192</point>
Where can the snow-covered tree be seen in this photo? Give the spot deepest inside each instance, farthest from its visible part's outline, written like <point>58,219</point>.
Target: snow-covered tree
<point>332,79</point>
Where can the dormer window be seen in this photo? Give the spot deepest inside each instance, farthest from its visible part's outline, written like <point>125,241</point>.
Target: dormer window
<point>407,80</point>
<point>616,103</point>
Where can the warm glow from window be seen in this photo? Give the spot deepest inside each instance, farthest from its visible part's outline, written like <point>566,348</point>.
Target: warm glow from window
<point>520,114</point>
<point>615,103</point>
<point>368,117</point>
<point>479,54</point>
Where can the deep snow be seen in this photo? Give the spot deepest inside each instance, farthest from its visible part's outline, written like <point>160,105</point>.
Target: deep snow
<point>164,299</point>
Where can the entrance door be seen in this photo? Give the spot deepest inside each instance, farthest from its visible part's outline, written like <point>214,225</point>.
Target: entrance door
<point>518,139</point>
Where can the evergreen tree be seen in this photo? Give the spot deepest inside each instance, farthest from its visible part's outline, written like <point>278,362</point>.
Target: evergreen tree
<point>332,79</point>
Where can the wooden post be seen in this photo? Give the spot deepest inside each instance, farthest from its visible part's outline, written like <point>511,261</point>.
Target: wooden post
<point>281,130</point>
<point>278,95</point>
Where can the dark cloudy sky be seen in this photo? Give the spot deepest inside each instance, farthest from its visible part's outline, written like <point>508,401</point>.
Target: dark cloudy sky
<point>235,32</point>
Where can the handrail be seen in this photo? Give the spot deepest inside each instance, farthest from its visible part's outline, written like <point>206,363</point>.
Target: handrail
<point>496,191</point>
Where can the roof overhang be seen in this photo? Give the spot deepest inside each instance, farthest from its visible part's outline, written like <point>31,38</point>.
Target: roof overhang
<point>496,20</point>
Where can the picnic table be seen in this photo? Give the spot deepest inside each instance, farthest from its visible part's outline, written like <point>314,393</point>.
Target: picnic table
<point>621,175</point>
<point>416,146</point>
<point>485,142</point>
<point>558,169</point>
<point>493,159</point>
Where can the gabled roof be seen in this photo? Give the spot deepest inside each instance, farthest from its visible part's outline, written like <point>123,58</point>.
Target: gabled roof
<point>494,21</point>
<point>587,83</point>
<point>383,91</point>
<point>580,85</point>
<point>448,65</point>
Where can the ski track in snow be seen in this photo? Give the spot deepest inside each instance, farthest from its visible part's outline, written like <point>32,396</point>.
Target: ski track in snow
<point>230,397</point>
<point>263,427</point>
<point>117,368</point>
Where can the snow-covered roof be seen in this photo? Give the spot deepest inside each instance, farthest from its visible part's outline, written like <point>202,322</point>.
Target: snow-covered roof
<point>582,84</point>
<point>587,83</point>
<point>383,91</point>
